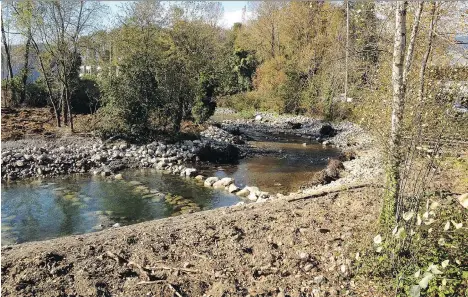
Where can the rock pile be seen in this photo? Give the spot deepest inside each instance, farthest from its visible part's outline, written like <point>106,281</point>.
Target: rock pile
<point>220,135</point>
<point>227,183</point>
<point>101,158</point>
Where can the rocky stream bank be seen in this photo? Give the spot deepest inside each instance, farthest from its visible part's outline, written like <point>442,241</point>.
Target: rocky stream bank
<point>283,246</point>
<point>222,142</point>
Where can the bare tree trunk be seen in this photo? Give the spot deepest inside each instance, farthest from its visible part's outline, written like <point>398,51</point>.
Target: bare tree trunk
<point>7,51</point>
<point>49,88</point>
<point>64,104</point>
<point>68,107</point>
<point>420,104</point>
<point>393,170</point>
<point>8,57</point>
<point>410,50</point>
<point>430,38</point>
<point>26,67</point>
<point>406,70</point>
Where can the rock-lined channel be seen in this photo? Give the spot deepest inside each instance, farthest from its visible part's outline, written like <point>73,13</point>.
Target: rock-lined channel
<point>53,207</point>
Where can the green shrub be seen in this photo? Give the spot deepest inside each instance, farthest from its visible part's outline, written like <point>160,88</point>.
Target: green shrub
<point>86,99</point>
<point>241,101</point>
<point>247,113</point>
<point>202,110</point>
<point>129,100</point>
<point>424,255</point>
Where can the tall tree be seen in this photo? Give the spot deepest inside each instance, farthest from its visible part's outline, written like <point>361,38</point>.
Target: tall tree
<point>59,26</point>
<point>393,170</point>
<point>23,17</point>
<point>6,46</point>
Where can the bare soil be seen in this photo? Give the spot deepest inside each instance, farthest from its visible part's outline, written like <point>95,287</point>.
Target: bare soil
<point>276,248</point>
<point>21,123</point>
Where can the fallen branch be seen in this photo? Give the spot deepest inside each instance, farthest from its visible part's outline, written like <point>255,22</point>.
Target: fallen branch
<point>173,268</point>
<point>143,272</point>
<point>326,192</point>
<point>174,290</point>
<point>151,282</point>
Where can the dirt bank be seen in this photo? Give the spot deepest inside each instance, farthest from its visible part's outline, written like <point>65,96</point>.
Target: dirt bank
<point>276,248</point>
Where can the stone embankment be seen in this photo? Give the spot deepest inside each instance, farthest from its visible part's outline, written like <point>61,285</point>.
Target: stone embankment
<point>33,158</point>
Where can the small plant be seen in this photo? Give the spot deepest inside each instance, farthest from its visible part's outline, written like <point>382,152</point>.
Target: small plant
<point>425,252</point>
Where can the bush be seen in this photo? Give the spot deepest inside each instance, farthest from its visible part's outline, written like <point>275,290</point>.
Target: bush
<point>36,94</point>
<point>425,255</point>
<point>249,101</point>
<point>86,99</point>
<point>202,110</point>
<point>204,107</point>
<point>129,100</point>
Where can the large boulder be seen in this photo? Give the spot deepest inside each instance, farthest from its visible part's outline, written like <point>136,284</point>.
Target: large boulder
<point>327,130</point>
<point>219,153</point>
<point>222,183</point>
<point>210,181</point>
<point>292,125</point>
<point>244,192</point>
<point>190,171</point>
<point>233,188</point>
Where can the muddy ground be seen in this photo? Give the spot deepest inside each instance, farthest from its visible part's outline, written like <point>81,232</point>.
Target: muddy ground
<point>276,248</point>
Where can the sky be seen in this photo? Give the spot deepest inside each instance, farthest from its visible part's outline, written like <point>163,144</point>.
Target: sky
<point>232,11</point>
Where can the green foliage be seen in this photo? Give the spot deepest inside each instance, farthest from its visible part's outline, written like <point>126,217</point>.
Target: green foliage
<point>236,65</point>
<point>204,106</point>
<point>36,92</point>
<point>425,254</point>
<point>86,99</point>
<point>202,110</point>
<point>129,99</point>
<point>249,102</point>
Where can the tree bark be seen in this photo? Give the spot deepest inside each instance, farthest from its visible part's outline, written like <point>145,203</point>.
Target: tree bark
<point>422,72</point>
<point>347,51</point>
<point>70,115</point>
<point>8,58</point>
<point>49,88</point>
<point>7,51</point>
<point>64,103</point>
<point>410,50</point>
<point>393,170</point>
<point>26,67</point>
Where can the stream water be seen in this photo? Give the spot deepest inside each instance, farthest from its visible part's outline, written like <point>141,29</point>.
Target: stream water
<point>53,207</point>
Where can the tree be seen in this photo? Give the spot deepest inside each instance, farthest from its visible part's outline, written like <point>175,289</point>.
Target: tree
<point>395,159</point>
<point>23,15</point>
<point>6,47</point>
<point>58,26</point>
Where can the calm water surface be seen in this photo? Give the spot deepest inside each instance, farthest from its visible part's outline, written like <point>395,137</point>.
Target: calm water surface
<point>43,209</point>
<point>278,173</point>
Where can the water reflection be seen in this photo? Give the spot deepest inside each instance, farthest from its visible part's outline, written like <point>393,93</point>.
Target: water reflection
<point>80,204</point>
<point>43,209</point>
<point>283,172</point>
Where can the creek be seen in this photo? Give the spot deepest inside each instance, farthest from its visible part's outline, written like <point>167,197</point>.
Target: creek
<point>52,207</point>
